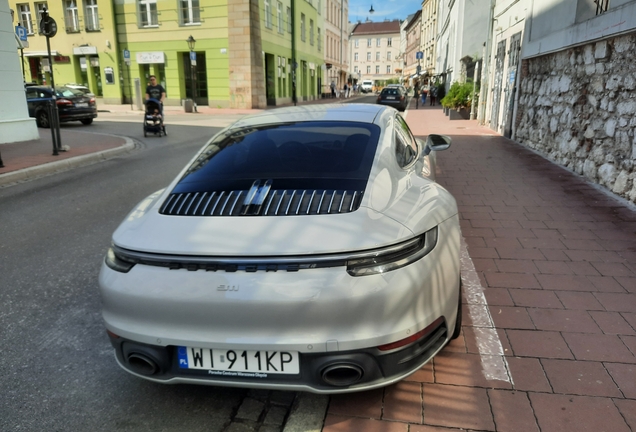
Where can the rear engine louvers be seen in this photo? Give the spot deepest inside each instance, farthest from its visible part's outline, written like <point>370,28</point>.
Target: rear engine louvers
<point>276,203</point>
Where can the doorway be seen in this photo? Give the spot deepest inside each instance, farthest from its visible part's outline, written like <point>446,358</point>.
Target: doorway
<point>200,96</point>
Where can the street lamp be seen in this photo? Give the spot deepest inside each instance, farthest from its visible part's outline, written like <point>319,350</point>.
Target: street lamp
<point>193,63</point>
<point>371,10</point>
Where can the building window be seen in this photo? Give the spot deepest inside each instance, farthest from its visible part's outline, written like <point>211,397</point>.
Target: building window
<point>389,41</point>
<point>148,13</point>
<point>368,69</point>
<point>388,55</point>
<point>368,56</point>
<point>289,23</point>
<point>190,12</point>
<point>377,56</point>
<point>281,24</point>
<point>355,69</point>
<point>311,32</point>
<point>39,8</point>
<point>303,36</point>
<point>71,17</point>
<point>319,39</point>
<point>369,43</point>
<point>25,17</point>
<point>601,6</point>
<point>268,15</point>
<point>378,42</point>
<point>91,15</point>
<point>388,69</point>
<point>355,57</point>
<point>357,43</point>
<point>319,8</point>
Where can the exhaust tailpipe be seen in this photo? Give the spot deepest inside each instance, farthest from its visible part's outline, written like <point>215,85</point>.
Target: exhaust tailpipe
<point>142,364</point>
<point>342,374</point>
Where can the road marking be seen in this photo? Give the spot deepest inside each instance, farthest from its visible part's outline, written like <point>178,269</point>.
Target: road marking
<point>493,361</point>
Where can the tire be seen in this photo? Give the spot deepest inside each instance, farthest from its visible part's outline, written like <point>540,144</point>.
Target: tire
<point>458,322</point>
<point>42,119</point>
<point>87,121</point>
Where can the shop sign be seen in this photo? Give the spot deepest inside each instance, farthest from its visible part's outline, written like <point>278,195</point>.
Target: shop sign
<point>84,50</point>
<point>61,59</point>
<point>150,57</point>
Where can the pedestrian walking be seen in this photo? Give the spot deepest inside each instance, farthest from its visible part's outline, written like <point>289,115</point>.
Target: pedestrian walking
<point>346,91</point>
<point>416,94</point>
<point>333,89</point>
<point>423,96</point>
<point>433,95</point>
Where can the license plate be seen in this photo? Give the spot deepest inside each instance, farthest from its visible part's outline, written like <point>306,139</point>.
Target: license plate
<point>237,362</point>
<point>82,105</point>
<point>390,97</point>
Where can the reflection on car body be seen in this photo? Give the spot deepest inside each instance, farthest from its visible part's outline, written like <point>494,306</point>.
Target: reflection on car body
<point>304,248</point>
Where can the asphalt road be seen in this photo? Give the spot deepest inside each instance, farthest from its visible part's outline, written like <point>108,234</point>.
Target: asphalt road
<point>57,369</point>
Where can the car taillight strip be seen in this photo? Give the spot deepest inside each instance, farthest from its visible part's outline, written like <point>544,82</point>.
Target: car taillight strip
<point>278,203</point>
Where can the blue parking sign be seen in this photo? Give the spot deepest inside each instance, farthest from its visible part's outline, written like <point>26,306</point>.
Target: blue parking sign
<point>21,32</point>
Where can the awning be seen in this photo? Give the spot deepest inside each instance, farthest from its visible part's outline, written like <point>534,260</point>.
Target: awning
<point>39,53</point>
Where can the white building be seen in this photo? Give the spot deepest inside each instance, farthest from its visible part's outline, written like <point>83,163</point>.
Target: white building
<point>462,32</point>
<point>375,47</point>
<point>15,124</point>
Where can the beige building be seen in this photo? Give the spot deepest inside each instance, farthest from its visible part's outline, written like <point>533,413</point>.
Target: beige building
<point>336,42</point>
<point>413,33</point>
<point>375,48</point>
<point>429,33</point>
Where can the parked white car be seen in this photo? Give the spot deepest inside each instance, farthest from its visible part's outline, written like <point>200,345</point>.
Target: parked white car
<point>304,248</point>
<point>366,86</point>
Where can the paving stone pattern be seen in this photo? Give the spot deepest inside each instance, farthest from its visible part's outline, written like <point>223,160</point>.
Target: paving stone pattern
<point>262,411</point>
<point>557,260</point>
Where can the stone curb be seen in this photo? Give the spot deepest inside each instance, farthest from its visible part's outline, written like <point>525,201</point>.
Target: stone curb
<point>42,170</point>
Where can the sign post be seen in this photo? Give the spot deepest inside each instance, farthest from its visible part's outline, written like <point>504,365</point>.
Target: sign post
<point>127,62</point>
<point>21,32</point>
<point>49,29</point>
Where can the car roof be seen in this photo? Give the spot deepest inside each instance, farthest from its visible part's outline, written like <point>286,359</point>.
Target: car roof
<point>365,113</point>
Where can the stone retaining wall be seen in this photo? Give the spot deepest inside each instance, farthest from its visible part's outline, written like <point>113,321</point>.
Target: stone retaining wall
<point>578,108</point>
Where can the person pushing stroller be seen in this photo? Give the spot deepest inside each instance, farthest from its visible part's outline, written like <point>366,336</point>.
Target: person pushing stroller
<point>153,119</point>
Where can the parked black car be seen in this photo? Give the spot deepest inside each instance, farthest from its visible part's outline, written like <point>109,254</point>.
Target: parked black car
<point>393,96</point>
<point>72,105</point>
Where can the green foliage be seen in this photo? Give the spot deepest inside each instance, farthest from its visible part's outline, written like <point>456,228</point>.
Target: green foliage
<point>460,95</point>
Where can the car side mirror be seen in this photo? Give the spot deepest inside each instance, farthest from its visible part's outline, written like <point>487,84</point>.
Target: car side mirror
<point>437,143</point>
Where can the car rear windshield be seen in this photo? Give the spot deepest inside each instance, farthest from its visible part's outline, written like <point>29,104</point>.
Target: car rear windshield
<point>302,155</point>
<point>68,92</point>
<point>391,91</point>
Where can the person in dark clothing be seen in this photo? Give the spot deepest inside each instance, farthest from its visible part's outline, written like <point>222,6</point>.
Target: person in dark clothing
<point>154,90</point>
<point>433,94</point>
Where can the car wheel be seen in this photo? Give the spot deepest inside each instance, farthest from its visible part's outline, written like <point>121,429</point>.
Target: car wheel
<point>87,121</point>
<point>458,322</point>
<point>42,119</point>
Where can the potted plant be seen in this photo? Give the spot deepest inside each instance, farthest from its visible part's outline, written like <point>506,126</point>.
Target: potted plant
<point>459,99</point>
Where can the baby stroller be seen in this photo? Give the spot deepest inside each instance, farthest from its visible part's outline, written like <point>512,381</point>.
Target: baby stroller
<point>153,118</point>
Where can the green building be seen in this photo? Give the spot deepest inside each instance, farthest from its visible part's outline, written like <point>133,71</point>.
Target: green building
<point>241,53</point>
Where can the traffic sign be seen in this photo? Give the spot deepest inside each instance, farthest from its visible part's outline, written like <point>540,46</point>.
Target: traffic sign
<point>127,57</point>
<point>419,69</point>
<point>419,55</point>
<point>21,32</point>
<point>193,58</point>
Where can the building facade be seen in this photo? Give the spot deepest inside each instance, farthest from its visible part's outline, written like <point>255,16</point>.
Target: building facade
<point>576,89</point>
<point>246,53</point>
<point>336,44</point>
<point>412,63</point>
<point>15,124</point>
<point>375,49</point>
<point>429,35</point>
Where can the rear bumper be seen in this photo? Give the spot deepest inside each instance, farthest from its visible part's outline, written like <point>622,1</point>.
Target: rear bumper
<point>373,368</point>
<point>72,116</point>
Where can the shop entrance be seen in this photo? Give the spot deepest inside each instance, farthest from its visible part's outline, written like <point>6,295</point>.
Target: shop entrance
<point>200,96</point>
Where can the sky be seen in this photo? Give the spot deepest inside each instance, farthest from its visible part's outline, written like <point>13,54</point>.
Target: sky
<point>384,9</point>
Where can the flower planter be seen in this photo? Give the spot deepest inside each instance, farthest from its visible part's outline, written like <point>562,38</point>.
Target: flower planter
<point>460,114</point>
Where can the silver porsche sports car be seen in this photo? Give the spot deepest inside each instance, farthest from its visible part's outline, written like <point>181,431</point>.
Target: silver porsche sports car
<point>304,248</point>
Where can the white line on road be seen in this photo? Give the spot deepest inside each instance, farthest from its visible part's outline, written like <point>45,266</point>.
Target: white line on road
<point>493,361</point>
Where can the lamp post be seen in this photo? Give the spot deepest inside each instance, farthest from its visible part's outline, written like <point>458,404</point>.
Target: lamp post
<point>193,64</point>
<point>371,10</point>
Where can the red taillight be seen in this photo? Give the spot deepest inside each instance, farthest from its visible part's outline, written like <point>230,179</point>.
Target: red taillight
<point>379,98</point>
<point>92,101</point>
<point>111,334</point>
<point>413,338</point>
<point>64,102</point>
